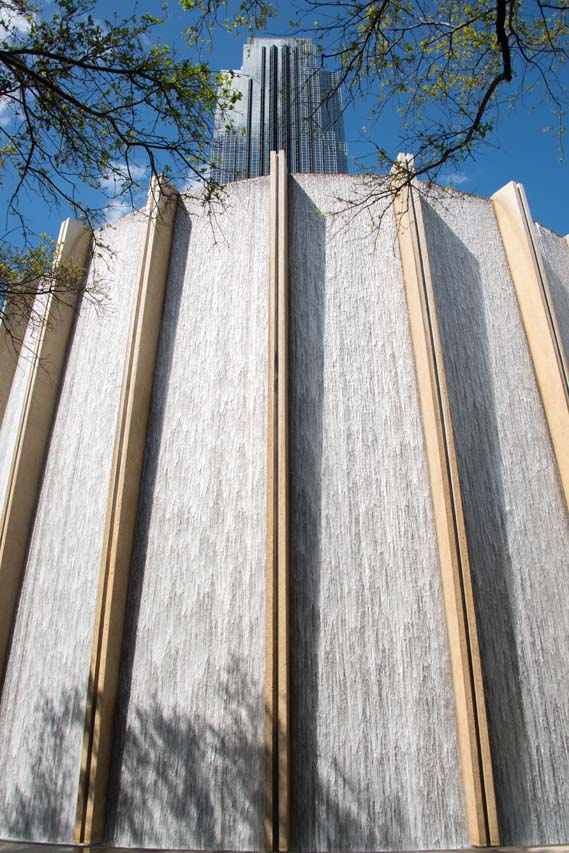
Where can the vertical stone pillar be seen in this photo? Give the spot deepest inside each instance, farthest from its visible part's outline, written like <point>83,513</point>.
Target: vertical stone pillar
<point>447,508</point>
<point>283,592</point>
<point>122,505</point>
<point>538,316</point>
<point>271,699</point>
<point>276,679</point>
<point>33,431</point>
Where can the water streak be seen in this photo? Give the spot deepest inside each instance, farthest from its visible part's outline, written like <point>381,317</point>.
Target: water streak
<point>555,254</point>
<point>375,758</point>
<point>13,412</point>
<point>43,702</point>
<point>188,766</point>
<point>515,515</point>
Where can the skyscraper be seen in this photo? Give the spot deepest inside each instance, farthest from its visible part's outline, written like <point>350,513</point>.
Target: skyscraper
<point>287,103</point>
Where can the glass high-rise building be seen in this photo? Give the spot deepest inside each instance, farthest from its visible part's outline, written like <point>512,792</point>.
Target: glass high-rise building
<point>287,103</point>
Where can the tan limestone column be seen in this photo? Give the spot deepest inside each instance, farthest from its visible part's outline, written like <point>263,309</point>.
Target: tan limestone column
<point>447,507</point>
<point>277,747</point>
<point>538,316</point>
<point>122,505</point>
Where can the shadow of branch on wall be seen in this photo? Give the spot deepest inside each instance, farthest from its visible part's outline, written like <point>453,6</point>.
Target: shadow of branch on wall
<point>37,797</point>
<point>182,782</point>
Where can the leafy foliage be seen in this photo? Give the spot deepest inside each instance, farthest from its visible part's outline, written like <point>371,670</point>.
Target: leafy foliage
<point>450,67</point>
<point>27,277</point>
<point>85,102</point>
<point>105,103</point>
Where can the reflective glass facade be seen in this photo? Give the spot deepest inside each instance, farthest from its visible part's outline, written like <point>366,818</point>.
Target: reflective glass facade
<point>287,103</point>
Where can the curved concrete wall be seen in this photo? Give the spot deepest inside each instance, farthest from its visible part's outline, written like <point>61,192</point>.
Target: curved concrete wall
<point>366,738</point>
<point>188,768</point>
<point>14,404</point>
<point>44,693</point>
<point>555,253</point>
<point>515,514</point>
<point>375,759</point>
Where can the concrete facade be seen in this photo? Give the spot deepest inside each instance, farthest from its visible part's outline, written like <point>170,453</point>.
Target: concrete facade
<point>292,569</point>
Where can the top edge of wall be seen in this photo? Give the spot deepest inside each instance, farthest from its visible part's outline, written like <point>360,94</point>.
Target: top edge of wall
<point>351,177</point>
<point>551,230</point>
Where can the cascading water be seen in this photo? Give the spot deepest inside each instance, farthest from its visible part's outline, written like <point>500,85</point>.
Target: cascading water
<point>43,700</point>
<point>15,402</point>
<point>515,514</point>
<point>555,254</point>
<point>374,745</point>
<point>374,754</point>
<point>188,768</point>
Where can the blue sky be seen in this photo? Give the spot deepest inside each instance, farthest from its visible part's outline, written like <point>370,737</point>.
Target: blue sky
<point>520,151</point>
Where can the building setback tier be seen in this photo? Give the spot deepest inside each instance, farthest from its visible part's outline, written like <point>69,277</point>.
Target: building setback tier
<point>286,101</point>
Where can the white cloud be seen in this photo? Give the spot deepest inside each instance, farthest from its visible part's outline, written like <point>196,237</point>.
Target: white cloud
<point>116,209</point>
<point>193,182</point>
<point>455,179</point>
<point>113,184</point>
<point>119,174</point>
<point>13,22</point>
<point>6,112</point>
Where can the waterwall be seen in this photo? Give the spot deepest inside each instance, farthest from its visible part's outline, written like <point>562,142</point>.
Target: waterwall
<point>44,691</point>
<point>515,514</point>
<point>371,689</point>
<point>294,577</point>
<point>188,747</point>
